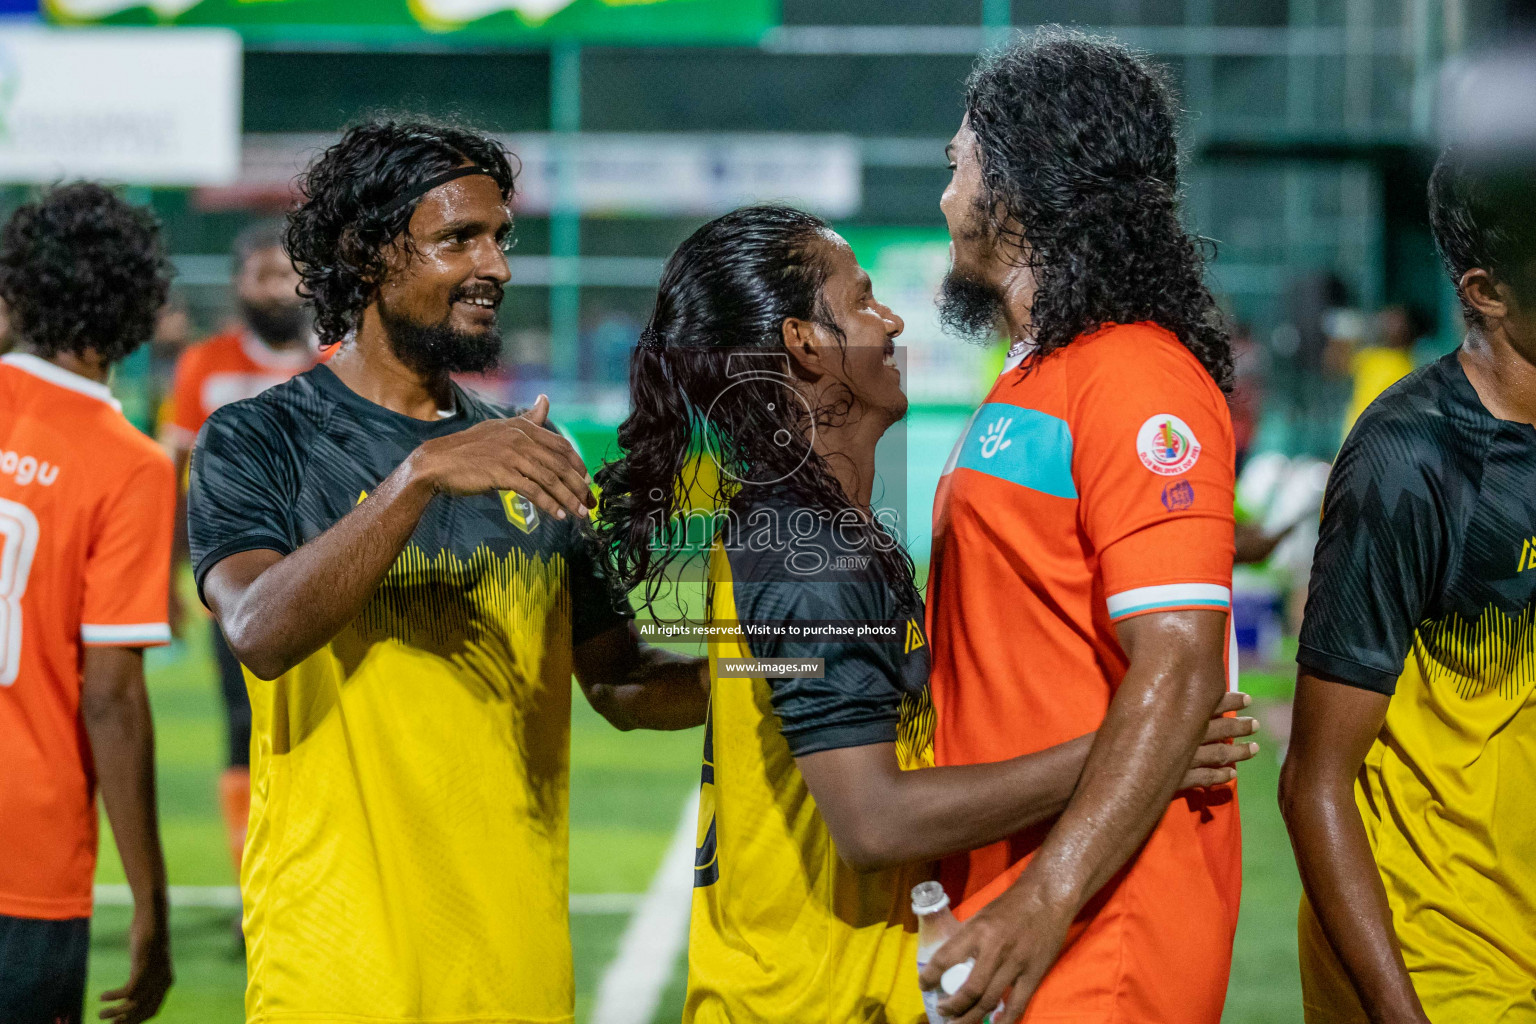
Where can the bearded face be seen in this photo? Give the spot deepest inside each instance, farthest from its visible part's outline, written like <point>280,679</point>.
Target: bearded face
<point>276,322</point>
<point>439,304</point>
<point>442,345</point>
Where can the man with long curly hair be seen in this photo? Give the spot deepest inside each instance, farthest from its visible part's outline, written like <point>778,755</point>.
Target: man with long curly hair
<point>1083,546</point>
<point>407,574</point>
<point>86,504</point>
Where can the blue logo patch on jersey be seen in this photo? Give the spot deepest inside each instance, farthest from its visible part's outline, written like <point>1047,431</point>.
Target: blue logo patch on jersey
<point>1178,496</point>
<point>1022,446</point>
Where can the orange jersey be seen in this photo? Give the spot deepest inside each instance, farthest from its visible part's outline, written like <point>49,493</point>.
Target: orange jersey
<point>86,504</point>
<point>1095,484</point>
<point>226,368</point>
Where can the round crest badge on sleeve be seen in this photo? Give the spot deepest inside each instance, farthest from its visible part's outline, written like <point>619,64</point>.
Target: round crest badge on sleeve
<point>1167,446</point>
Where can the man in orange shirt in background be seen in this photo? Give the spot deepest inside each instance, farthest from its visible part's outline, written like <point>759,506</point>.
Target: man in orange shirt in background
<point>85,554</point>
<point>274,343</point>
<point>1083,542</point>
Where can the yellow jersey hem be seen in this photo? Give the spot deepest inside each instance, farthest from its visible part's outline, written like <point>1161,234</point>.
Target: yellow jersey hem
<point>304,1017</point>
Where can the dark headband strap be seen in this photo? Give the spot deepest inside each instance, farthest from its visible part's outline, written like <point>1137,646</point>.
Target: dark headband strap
<point>412,196</point>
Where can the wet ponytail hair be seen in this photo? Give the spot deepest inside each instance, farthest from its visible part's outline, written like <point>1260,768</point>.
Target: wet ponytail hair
<point>710,380</point>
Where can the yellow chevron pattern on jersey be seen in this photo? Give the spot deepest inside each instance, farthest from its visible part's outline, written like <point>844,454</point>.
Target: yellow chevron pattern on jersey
<point>782,930</point>
<point>409,783</point>
<point>1438,801</point>
<point>1496,652</point>
<point>914,733</point>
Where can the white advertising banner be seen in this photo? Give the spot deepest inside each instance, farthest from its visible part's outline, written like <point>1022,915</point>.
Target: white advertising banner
<point>659,175</point>
<point>136,107</point>
<point>693,175</point>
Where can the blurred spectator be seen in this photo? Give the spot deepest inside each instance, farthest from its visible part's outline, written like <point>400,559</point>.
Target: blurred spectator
<point>1385,359</point>
<point>1309,380</point>
<point>1316,311</point>
<point>1344,334</point>
<point>269,343</point>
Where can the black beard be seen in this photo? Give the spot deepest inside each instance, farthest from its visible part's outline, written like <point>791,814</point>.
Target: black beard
<point>434,348</point>
<point>275,323</point>
<point>970,308</point>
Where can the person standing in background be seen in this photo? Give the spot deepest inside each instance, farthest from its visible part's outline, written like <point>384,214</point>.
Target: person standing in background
<point>85,555</point>
<point>1386,359</point>
<point>273,343</point>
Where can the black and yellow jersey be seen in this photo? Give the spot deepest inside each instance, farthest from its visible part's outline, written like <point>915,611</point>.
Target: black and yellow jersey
<point>1424,587</point>
<point>406,858</point>
<point>782,929</point>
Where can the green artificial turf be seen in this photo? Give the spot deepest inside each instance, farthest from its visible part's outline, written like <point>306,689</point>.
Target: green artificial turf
<point>1265,988</point>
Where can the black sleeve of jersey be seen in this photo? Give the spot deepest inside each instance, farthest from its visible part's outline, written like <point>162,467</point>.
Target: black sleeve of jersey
<point>242,487</point>
<point>597,604</point>
<point>857,702</point>
<point>1381,555</point>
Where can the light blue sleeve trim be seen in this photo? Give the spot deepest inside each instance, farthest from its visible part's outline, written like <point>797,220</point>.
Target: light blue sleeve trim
<point>1171,595</point>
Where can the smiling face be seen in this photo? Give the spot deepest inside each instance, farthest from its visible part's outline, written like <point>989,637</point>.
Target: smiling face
<point>439,301</point>
<point>866,365</point>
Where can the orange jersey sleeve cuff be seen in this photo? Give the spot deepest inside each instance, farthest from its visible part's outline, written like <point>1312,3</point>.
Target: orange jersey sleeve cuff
<point>1178,564</point>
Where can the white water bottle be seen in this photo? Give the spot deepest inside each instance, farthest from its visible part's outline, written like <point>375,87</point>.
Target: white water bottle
<point>935,924</point>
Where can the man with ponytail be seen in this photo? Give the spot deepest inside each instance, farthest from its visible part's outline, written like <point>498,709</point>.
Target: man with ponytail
<point>1083,546</point>
<point>407,575</point>
<point>769,358</point>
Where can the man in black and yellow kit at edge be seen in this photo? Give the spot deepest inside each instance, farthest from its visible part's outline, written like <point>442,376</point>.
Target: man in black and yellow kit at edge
<point>1412,768</point>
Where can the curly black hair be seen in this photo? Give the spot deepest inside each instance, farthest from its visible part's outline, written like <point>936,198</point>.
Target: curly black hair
<point>82,269</point>
<point>349,214</point>
<point>1481,211</point>
<point>1079,163</point>
<point>706,381</point>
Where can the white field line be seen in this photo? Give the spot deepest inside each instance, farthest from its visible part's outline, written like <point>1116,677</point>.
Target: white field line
<point>228,897</point>
<point>225,896</point>
<point>632,986</point>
